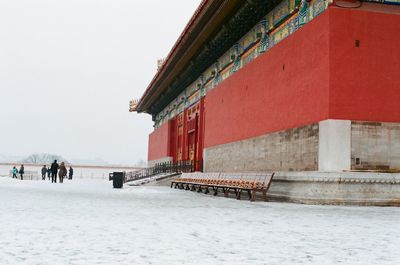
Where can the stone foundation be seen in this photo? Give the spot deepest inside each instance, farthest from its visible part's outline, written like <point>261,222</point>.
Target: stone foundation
<point>293,149</point>
<point>347,188</point>
<point>327,146</point>
<point>375,146</point>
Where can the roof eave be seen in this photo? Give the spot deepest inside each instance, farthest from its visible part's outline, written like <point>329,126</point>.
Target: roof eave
<point>142,106</point>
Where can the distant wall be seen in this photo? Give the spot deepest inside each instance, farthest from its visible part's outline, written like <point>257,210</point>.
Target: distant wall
<point>28,175</point>
<point>85,172</point>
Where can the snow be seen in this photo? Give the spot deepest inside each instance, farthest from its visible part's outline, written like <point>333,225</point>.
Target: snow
<point>88,222</point>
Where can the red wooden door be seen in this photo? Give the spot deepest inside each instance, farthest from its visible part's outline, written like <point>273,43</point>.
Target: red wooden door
<point>194,139</point>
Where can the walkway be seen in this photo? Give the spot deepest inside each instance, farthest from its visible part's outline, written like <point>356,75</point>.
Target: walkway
<point>88,222</point>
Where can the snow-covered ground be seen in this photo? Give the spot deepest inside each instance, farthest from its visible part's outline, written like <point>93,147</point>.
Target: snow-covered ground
<point>88,222</point>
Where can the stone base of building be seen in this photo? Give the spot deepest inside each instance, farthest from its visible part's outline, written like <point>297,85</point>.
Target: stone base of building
<point>329,145</point>
<point>337,188</point>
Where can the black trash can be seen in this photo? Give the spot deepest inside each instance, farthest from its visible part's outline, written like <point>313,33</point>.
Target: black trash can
<point>118,180</point>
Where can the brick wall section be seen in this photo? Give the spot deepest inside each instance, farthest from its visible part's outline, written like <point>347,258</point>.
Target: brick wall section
<point>289,150</point>
<point>376,145</point>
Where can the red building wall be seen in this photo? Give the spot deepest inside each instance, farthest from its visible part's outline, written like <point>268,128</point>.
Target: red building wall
<point>159,142</point>
<point>365,81</point>
<point>286,87</point>
<point>315,74</point>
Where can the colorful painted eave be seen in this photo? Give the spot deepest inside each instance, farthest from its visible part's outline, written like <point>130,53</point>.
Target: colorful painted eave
<point>214,27</point>
<point>204,37</point>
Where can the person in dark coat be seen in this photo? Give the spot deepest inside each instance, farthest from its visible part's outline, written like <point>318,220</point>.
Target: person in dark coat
<point>22,172</point>
<point>44,171</point>
<point>62,172</point>
<point>54,169</point>
<point>49,173</point>
<point>71,172</point>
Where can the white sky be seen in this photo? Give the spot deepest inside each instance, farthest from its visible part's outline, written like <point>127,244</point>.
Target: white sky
<point>68,69</point>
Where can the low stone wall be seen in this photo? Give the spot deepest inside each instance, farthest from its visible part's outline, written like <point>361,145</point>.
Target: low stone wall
<point>347,188</point>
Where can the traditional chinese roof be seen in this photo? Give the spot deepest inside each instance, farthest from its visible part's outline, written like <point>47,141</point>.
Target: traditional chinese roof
<point>213,29</point>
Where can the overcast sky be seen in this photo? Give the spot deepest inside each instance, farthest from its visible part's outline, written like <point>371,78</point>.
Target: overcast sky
<point>68,69</point>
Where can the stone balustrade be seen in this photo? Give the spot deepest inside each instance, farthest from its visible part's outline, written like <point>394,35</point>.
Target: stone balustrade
<point>340,188</point>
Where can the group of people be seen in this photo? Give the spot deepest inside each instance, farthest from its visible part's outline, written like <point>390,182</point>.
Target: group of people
<point>21,172</point>
<point>51,172</point>
<point>56,168</point>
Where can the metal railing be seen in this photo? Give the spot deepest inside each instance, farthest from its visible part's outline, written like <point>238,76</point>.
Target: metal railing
<point>164,168</point>
<point>28,175</point>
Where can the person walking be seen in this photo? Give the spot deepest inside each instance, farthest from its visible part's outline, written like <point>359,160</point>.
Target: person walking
<point>44,171</point>
<point>22,171</point>
<point>71,172</point>
<point>54,169</point>
<point>14,172</point>
<point>49,173</point>
<point>62,172</point>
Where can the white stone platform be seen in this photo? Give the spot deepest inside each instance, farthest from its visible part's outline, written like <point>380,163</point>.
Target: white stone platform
<point>341,188</point>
